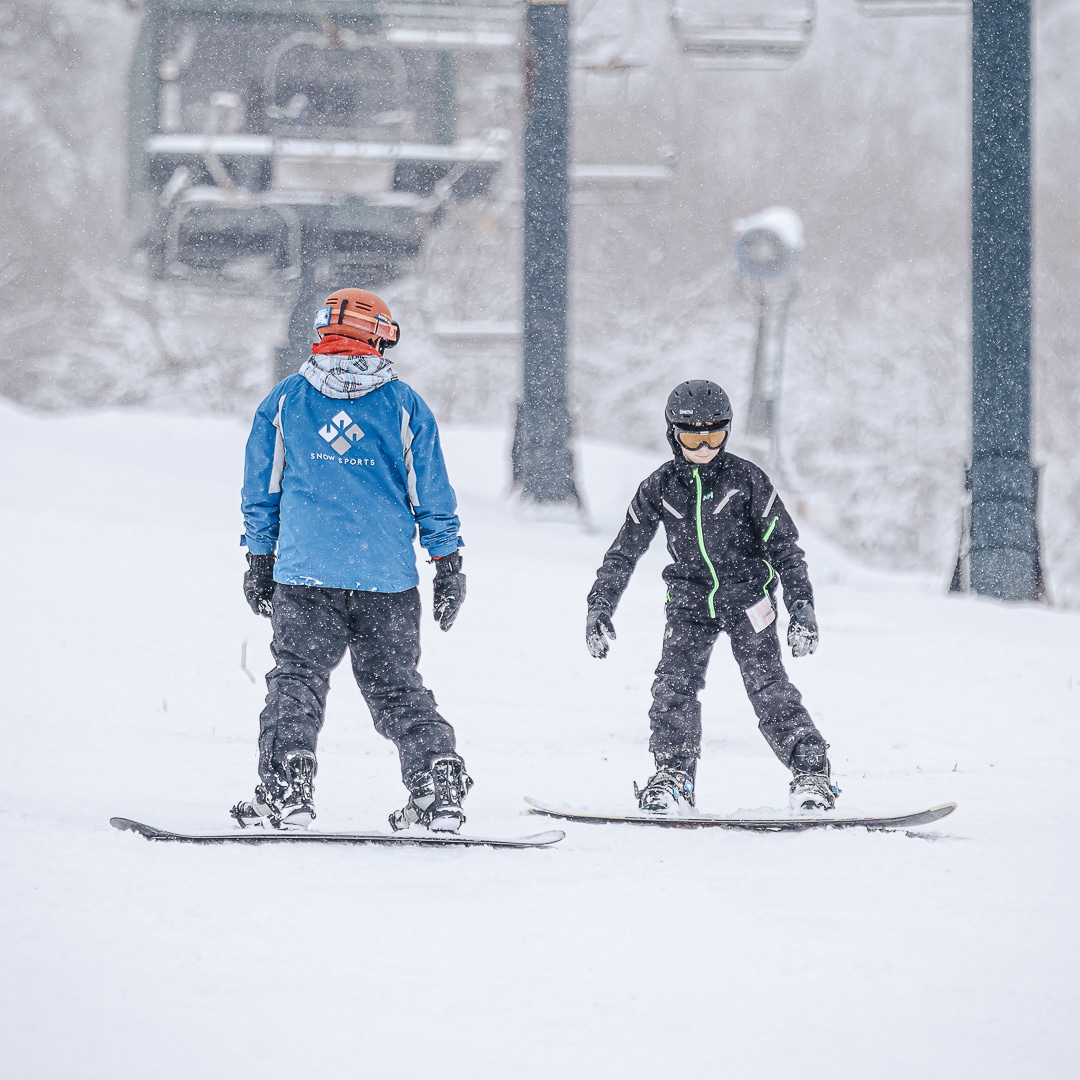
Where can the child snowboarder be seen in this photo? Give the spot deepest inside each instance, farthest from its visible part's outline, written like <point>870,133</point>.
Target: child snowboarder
<point>343,466</point>
<point>731,539</point>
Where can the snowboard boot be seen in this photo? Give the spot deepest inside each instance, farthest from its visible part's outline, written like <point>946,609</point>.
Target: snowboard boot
<point>435,797</point>
<point>283,801</point>
<point>673,781</point>
<point>811,785</point>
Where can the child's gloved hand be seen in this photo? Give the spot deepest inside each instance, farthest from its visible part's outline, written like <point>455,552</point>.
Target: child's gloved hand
<point>449,589</point>
<point>259,584</point>
<point>802,631</point>
<point>597,625</point>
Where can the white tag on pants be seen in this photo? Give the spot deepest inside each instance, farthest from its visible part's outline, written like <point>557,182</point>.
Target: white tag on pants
<point>762,614</point>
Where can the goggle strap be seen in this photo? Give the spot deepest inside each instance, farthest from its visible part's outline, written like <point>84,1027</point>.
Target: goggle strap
<point>378,326</point>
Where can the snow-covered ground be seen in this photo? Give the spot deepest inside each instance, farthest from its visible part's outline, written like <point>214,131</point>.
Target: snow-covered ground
<point>621,952</point>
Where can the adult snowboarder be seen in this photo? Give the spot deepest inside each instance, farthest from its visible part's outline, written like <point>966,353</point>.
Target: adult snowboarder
<point>343,467</point>
<point>731,539</point>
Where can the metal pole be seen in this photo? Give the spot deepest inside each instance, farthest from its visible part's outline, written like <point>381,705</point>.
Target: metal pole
<point>759,413</point>
<point>1004,484</point>
<point>310,294</point>
<point>543,460</point>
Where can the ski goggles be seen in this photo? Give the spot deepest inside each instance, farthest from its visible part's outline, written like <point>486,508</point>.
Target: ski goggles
<point>378,326</point>
<point>695,438</point>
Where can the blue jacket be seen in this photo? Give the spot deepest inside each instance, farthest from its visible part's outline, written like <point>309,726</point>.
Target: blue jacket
<point>340,486</point>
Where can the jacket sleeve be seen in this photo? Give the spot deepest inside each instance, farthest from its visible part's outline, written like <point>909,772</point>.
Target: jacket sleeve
<point>264,464</point>
<point>780,542</point>
<point>433,501</point>
<point>639,528</point>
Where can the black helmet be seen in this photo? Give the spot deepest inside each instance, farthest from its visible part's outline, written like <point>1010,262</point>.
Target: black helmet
<point>696,403</point>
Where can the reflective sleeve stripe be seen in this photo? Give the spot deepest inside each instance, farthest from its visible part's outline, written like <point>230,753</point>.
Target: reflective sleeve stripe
<point>630,511</point>
<point>671,509</point>
<point>410,468</point>
<point>768,505</point>
<point>277,469</point>
<point>725,500</point>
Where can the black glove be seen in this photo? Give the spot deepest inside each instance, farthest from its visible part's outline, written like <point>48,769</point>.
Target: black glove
<point>259,584</point>
<point>449,589</point>
<point>802,631</point>
<point>597,625</point>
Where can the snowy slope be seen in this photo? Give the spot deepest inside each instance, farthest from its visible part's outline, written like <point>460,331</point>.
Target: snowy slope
<point>620,952</point>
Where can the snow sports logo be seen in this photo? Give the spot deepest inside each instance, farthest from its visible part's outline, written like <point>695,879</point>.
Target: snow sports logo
<point>341,433</point>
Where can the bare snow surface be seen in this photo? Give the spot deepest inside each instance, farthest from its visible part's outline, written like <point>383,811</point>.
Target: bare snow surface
<point>621,951</point>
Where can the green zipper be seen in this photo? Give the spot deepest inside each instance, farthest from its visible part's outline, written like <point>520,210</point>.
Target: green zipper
<point>701,545</point>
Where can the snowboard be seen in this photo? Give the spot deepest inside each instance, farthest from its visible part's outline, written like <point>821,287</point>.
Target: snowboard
<point>826,820</point>
<point>260,835</point>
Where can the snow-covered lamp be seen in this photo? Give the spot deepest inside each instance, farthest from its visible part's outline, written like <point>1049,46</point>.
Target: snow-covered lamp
<point>766,255</point>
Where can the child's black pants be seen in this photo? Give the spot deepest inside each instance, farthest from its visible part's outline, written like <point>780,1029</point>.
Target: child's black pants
<point>312,629</point>
<point>680,677</point>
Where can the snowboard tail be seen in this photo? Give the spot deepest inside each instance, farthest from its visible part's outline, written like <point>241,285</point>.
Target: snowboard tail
<point>269,836</point>
<point>779,824</point>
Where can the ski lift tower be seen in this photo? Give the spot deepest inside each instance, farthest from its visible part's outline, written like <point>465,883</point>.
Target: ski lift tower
<point>999,547</point>
<point>542,457</point>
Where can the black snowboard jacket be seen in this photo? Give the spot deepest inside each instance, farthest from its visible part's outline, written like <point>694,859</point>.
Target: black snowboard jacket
<point>728,533</point>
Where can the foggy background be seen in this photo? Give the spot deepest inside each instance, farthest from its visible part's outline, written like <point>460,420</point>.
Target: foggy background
<point>866,138</point>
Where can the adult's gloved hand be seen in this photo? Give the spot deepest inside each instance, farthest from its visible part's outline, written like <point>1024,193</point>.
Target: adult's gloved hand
<point>802,631</point>
<point>259,584</point>
<point>598,628</point>
<point>449,589</point>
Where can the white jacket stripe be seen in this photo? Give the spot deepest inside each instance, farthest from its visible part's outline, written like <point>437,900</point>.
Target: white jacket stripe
<point>277,468</point>
<point>406,447</point>
<point>725,500</point>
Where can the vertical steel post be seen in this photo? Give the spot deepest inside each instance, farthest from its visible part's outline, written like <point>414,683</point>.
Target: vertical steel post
<point>1004,484</point>
<point>543,460</point>
<point>142,112</point>
<point>314,246</point>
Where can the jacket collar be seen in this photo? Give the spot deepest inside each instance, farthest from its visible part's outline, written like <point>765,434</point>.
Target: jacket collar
<point>714,468</point>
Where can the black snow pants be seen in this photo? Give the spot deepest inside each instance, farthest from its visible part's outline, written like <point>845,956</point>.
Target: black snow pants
<point>312,629</point>
<point>676,713</point>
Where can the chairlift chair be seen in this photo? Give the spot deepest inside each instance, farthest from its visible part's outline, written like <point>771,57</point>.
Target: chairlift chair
<point>238,105</point>
<point>893,8</point>
<point>761,34</point>
<point>477,26</point>
<point>624,103</point>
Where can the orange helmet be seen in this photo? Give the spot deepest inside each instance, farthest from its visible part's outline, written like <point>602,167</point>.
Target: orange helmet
<point>357,313</point>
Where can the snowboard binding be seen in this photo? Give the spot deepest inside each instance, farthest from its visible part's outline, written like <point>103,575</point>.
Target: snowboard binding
<point>435,797</point>
<point>665,789</point>
<point>283,801</point>
<point>811,785</point>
